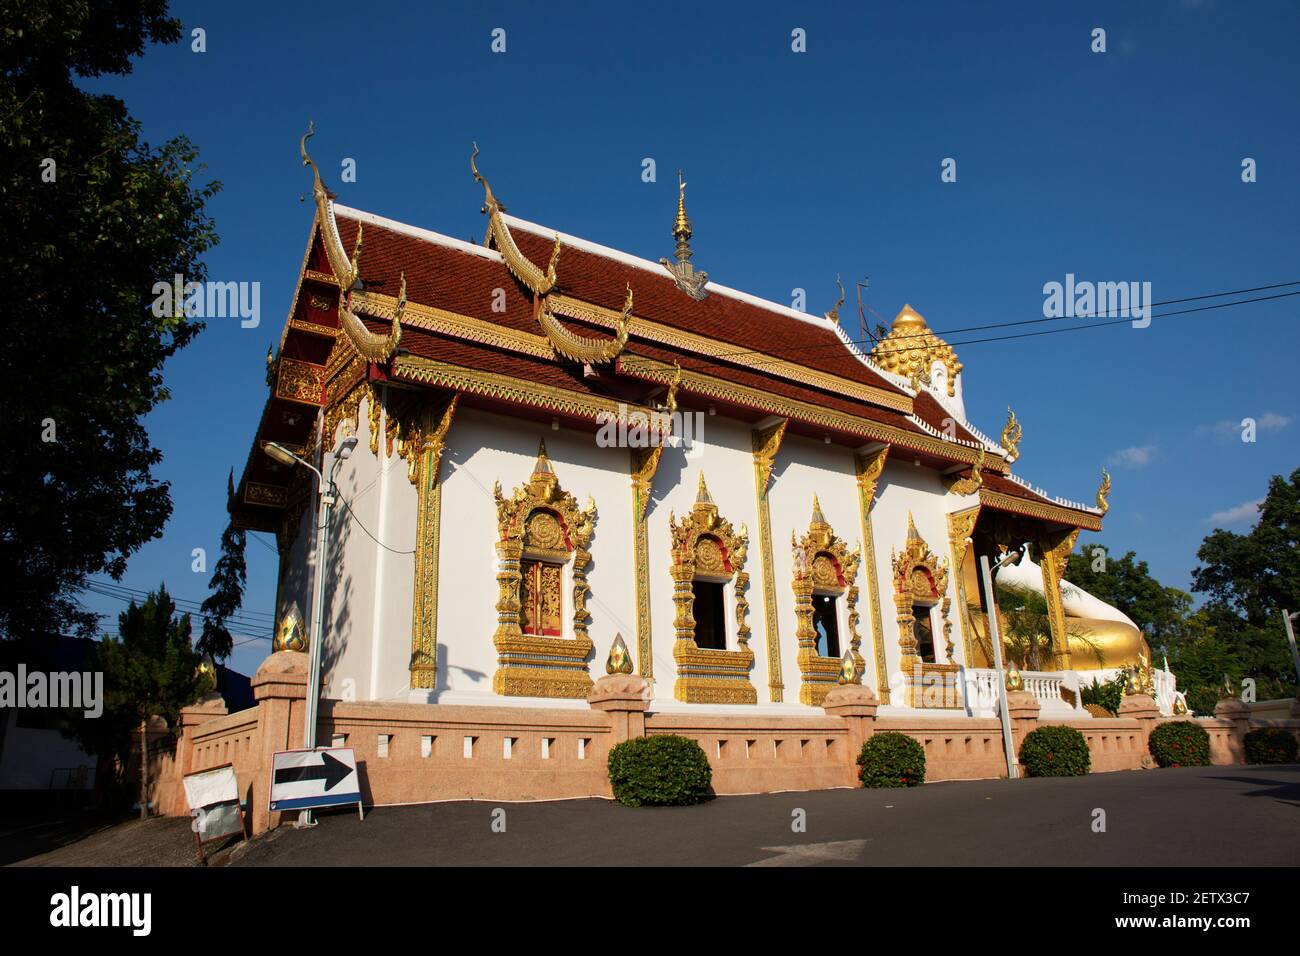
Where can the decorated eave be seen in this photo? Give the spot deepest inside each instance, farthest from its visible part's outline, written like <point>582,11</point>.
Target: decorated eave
<point>545,326</point>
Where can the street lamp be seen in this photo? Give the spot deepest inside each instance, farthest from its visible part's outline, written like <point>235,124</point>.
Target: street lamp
<point>326,491</point>
<point>1010,559</point>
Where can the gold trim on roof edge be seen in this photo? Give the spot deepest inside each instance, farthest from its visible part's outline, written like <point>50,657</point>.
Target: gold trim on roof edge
<point>1034,509</point>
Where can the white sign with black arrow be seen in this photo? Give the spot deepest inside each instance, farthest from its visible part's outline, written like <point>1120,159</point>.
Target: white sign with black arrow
<point>314,778</point>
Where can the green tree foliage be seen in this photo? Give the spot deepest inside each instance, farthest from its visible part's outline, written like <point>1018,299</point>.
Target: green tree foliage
<point>85,239</point>
<point>150,670</point>
<point>1126,583</point>
<point>1249,580</point>
<point>227,589</point>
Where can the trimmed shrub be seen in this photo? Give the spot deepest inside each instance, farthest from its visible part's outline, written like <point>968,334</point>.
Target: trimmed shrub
<point>1055,752</point>
<point>891,759</point>
<point>660,771</point>
<point>1180,743</point>
<point>1270,745</point>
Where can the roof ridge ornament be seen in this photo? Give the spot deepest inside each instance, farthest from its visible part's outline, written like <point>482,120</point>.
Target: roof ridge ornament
<point>1011,434</point>
<point>911,349</point>
<point>520,266</point>
<point>684,274</point>
<point>589,350</point>
<point>370,345</point>
<point>972,484</point>
<point>1103,493</point>
<point>834,313</point>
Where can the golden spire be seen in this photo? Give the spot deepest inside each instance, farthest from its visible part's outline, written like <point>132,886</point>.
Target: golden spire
<point>688,280</point>
<point>818,518</point>
<point>702,496</point>
<point>682,225</point>
<point>911,349</point>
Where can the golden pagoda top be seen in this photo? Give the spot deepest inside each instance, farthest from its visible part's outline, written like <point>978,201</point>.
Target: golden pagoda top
<point>911,349</point>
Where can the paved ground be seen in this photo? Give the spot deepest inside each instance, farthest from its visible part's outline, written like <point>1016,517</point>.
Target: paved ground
<point>1195,816</point>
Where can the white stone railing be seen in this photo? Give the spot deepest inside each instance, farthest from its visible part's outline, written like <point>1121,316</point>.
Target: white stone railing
<point>982,691</point>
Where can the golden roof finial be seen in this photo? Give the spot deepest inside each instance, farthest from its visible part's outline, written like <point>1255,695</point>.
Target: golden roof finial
<point>682,224</point>
<point>543,464</point>
<point>912,533</point>
<point>1011,433</point>
<point>817,517</point>
<point>688,280</point>
<point>834,313</point>
<point>1103,493</point>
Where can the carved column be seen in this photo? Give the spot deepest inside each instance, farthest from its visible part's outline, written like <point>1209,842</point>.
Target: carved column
<point>766,443</point>
<point>683,602</point>
<point>1054,551</point>
<point>508,577</point>
<point>960,527</point>
<point>869,468</point>
<point>645,461</point>
<point>423,446</point>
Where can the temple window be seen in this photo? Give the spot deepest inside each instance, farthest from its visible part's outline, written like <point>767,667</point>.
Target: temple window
<point>708,571</point>
<point>710,615</point>
<point>826,624</point>
<point>924,632</point>
<point>824,572</point>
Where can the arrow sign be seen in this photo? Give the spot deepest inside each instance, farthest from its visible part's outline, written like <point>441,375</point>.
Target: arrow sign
<point>332,770</point>
<point>314,778</point>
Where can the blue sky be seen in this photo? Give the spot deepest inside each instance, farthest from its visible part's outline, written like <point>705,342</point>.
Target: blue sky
<point>1120,166</point>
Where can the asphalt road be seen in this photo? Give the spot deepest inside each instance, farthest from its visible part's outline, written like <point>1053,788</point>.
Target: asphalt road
<point>1194,816</point>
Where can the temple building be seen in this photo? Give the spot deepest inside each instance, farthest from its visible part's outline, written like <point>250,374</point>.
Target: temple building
<point>568,456</point>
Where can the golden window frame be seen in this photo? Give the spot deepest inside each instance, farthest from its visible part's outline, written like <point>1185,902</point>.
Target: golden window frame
<point>705,544</point>
<point>540,520</point>
<point>921,575</point>
<point>823,563</point>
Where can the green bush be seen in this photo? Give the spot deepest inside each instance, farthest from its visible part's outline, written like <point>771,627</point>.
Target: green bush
<point>1055,752</point>
<point>660,771</point>
<point>891,759</point>
<point>1201,701</point>
<point>1270,745</point>
<point>1180,743</point>
<point>1108,696</point>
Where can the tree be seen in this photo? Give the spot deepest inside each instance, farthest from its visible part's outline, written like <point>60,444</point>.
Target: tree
<point>1250,579</point>
<point>93,218</point>
<point>150,670</point>
<point>227,587</point>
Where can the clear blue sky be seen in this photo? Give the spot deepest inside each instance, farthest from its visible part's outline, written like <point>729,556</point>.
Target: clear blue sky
<point>1117,166</point>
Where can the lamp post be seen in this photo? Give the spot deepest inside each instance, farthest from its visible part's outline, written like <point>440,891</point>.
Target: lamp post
<point>995,635</point>
<point>325,488</point>
<point>1290,636</point>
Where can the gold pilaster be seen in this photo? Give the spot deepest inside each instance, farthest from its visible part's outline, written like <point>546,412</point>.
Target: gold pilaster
<point>869,468</point>
<point>766,444</point>
<point>434,425</point>
<point>960,526</point>
<point>1054,551</point>
<point>645,461</point>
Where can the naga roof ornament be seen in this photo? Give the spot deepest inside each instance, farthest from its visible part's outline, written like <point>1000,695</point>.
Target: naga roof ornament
<point>586,349</point>
<point>520,267</point>
<point>1103,493</point>
<point>1011,434</point>
<point>371,345</point>
<point>834,313</point>
<point>684,274</point>
<point>911,349</point>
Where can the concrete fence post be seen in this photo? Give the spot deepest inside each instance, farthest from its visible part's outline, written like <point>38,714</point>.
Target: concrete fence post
<point>1023,709</point>
<point>1239,713</point>
<point>623,697</point>
<point>280,689</point>
<point>856,706</point>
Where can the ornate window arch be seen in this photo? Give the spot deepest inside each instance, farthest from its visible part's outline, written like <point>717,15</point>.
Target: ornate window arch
<point>705,548</point>
<point>824,565</point>
<point>921,577</point>
<point>541,533</point>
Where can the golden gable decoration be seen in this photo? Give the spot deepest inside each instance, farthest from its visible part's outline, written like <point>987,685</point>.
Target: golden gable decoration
<point>705,544</point>
<point>541,520</point>
<point>824,563</point>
